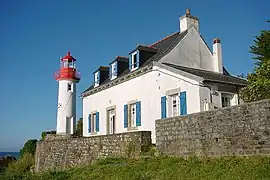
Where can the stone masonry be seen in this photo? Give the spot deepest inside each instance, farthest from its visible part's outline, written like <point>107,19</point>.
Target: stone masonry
<point>237,130</point>
<point>60,152</point>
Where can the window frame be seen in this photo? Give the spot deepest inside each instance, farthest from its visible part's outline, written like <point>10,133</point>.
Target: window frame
<point>93,123</point>
<point>108,109</point>
<point>177,103</point>
<point>114,68</point>
<point>132,115</point>
<point>69,87</point>
<point>96,78</point>
<point>228,96</point>
<point>132,126</point>
<point>133,63</point>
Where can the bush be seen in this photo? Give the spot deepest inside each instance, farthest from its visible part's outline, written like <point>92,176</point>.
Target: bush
<point>29,147</point>
<point>19,169</point>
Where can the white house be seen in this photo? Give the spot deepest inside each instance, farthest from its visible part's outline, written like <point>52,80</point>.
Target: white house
<point>175,76</point>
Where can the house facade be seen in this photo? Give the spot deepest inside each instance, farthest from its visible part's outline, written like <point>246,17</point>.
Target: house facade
<point>175,76</point>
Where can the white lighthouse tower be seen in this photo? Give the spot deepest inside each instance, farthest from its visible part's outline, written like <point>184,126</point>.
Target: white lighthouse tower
<point>67,77</point>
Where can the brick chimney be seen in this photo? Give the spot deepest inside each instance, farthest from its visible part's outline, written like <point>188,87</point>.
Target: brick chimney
<point>217,56</point>
<point>187,21</point>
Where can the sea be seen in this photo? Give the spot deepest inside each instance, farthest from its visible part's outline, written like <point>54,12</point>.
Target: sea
<point>15,154</point>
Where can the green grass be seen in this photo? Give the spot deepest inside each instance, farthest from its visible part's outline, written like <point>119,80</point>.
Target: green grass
<point>167,168</point>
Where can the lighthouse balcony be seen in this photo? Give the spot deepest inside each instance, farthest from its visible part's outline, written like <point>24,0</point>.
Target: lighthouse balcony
<point>67,74</point>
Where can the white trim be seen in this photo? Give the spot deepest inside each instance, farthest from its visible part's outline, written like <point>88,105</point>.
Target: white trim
<point>173,91</point>
<point>113,70</point>
<point>132,61</point>
<point>96,80</point>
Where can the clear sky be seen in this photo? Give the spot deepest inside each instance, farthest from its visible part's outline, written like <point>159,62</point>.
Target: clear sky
<point>34,34</point>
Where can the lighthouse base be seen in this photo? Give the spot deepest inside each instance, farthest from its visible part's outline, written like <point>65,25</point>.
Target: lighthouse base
<point>66,126</point>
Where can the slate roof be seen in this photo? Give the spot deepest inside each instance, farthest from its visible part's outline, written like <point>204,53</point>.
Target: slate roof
<point>211,76</point>
<point>162,47</point>
<point>120,58</point>
<point>144,48</point>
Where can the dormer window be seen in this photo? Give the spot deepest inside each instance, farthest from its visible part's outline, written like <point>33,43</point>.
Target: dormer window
<point>113,70</point>
<point>118,66</point>
<point>134,61</point>
<point>97,78</point>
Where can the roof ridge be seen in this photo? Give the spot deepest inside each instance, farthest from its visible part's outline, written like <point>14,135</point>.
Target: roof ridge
<point>167,37</point>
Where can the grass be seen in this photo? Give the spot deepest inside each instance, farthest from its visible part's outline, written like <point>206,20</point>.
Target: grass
<point>165,168</point>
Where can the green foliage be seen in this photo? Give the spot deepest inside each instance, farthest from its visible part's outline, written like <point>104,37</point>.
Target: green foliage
<point>165,167</point>
<point>29,147</point>
<point>150,150</point>
<point>44,134</point>
<point>130,150</point>
<point>79,128</point>
<point>259,81</point>
<point>19,169</point>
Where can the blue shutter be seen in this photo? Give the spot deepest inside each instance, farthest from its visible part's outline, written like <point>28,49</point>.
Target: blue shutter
<point>97,121</point>
<point>138,59</point>
<point>125,116</point>
<point>116,69</point>
<point>163,107</point>
<point>138,113</point>
<point>183,103</point>
<point>89,123</point>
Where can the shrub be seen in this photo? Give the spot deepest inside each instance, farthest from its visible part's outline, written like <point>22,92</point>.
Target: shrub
<point>29,147</point>
<point>21,168</point>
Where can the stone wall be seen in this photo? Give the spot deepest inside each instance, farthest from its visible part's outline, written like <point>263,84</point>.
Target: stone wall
<point>59,152</point>
<point>237,130</point>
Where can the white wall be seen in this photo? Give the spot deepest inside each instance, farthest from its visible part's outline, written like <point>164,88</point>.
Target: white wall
<point>216,99</point>
<point>148,88</point>
<point>66,107</point>
<point>205,96</point>
<point>191,52</point>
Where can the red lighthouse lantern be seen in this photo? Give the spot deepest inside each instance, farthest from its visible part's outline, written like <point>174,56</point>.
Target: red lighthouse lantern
<point>67,69</point>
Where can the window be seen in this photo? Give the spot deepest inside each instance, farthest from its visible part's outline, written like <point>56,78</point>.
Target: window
<point>69,87</point>
<point>226,100</point>
<point>71,64</point>
<point>93,122</point>
<point>132,115</point>
<point>134,63</point>
<point>111,121</point>
<point>113,70</point>
<point>175,105</point>
<point>97,78</point>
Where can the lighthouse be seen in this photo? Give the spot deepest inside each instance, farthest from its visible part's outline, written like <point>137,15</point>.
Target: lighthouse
<point>67,78</point>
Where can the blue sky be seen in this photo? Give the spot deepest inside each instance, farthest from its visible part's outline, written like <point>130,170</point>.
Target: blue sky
<point>34,34</point>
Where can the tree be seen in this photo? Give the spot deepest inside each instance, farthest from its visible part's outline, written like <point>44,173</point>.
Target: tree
<point>29,147</point>
<point>258,87</point>
<point>79,128</point>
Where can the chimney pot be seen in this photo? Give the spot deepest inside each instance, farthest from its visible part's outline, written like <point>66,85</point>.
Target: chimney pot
<point>216,40</point>
<point>187,11</point>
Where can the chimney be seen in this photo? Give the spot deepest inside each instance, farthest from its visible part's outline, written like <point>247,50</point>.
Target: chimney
<point>187,21</point>
<point>217,56</point>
